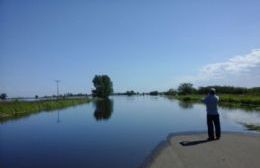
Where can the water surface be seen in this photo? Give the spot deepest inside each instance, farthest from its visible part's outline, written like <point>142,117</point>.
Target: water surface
<point>119,133</point>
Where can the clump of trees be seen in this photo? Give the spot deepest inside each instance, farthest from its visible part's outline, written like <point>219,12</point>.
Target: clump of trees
<point>154,93</point>
<point>3,96</point>
<point>186,88</point>
<point>171,92</point>
<point>230,90</point>
<point>103,85</point>
<point>130,93</point>
<point>75,95</point>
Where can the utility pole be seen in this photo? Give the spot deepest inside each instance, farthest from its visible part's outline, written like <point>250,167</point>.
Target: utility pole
<point>57,82</point>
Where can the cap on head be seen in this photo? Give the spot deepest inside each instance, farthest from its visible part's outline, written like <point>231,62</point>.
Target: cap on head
<point>212,91</point>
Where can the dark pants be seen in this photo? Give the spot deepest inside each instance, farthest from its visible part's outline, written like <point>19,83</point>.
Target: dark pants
<point>213,120</point>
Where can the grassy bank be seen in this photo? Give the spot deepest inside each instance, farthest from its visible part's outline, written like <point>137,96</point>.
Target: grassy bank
<point>22,108</point>
<point>235,100</point>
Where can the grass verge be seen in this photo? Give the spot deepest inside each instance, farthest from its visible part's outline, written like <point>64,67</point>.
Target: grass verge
<point>22,108</point>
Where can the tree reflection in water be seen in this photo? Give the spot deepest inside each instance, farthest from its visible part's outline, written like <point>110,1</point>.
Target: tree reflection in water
<point>186,104</point>
<point>104,109</point>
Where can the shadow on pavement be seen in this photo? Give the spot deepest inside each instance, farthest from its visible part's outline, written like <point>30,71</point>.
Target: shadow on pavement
<point>191,143</point>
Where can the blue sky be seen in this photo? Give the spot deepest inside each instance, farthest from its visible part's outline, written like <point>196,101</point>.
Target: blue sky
<point>141,45</point>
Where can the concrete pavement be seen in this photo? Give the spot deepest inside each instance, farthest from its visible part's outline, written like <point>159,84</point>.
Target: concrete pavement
<point>233,150</point>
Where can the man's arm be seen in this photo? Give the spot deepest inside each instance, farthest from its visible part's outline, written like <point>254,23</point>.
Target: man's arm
<point>217,99</point>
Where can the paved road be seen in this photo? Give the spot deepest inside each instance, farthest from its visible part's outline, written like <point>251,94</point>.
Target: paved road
<point>193,151</point>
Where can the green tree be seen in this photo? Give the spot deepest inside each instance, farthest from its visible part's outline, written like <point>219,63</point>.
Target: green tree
<point>103,85</point>
<point>171,92</point>
<point>186,88</point>
<point>130,93</point>
<point>154,93</point>
<point>3,96</point>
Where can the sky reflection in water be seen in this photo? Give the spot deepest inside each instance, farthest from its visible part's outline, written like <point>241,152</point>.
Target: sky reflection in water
<point>120,132</point>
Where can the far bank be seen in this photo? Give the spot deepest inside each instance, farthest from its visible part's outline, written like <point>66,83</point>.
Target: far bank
<point>230,99</point>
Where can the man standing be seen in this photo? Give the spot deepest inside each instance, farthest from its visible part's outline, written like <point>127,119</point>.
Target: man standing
<point>211,102</point>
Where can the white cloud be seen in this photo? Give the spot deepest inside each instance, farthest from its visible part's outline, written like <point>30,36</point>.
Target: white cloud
<point>239,70</point>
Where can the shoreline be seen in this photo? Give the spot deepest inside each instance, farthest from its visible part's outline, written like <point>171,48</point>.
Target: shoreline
<point>18,109</point>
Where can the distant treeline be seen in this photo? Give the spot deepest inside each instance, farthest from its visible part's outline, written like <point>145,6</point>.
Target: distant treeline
<point>131,93</point>
<point>230,90</point>
<point>187,89</point>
